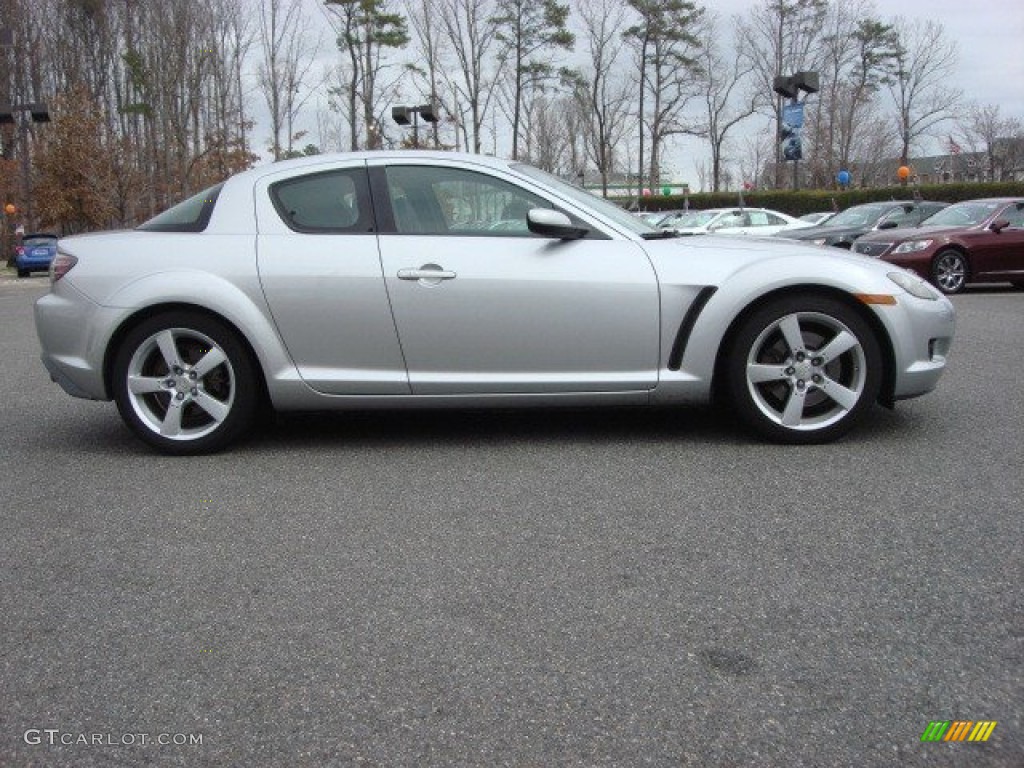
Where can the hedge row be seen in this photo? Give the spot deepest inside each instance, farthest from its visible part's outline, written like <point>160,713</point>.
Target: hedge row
<point>811,200</point>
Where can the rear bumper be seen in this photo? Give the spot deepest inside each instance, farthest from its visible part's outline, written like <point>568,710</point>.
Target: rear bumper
<point>72,352</point>
<point>32,265</point>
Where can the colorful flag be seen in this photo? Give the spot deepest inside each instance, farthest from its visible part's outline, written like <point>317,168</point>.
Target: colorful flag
<point>954,148</point>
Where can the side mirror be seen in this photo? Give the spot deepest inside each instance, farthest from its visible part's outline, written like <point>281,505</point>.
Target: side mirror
<point>999,225</point>
<point>887,224</point>
<point>549,223</point>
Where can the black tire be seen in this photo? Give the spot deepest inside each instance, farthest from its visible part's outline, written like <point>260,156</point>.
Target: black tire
<point>795,395</point>
<point>1019,285</point>
<point>950,271</point>
<point>200,402</point>
<point>22,273</point>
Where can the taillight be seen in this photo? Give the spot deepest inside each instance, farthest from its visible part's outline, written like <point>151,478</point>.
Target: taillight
<point>61,265</point>
<point>19,250</point>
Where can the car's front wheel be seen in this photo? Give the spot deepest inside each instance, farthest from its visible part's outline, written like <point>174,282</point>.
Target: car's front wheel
<point>184,383</point>
<point>803,369</point>
<point>949,271</point>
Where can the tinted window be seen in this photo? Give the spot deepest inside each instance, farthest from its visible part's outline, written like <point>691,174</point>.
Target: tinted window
<point>1014,214</point>
<point>34,240</point>
<point>435,201</point>
<point>324,202</point>
<point>902,217</point>
<point>963,214</point>
<point>191,215</point>
<point>858,216</point>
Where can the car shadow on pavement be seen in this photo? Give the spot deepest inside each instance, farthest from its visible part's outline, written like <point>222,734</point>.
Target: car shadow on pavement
<point>459,425</point>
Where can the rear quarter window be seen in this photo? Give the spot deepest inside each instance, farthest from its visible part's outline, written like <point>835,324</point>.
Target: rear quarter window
<point>191,215</point>
<point>335,201</point>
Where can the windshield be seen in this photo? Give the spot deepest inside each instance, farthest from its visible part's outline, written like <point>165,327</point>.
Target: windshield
<point>963,214</point>
<point>609,210</point>
<point>859,215</point>
<point>34,240</point>
<point>689,219</point>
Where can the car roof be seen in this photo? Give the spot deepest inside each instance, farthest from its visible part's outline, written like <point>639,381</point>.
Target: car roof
<point>312,161</point>
<point>1005,200</point>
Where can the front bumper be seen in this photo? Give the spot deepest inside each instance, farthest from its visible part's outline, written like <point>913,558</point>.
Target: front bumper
<point>922,334</point>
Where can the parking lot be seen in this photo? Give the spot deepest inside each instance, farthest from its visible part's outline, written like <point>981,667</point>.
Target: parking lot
<point>586,588</point>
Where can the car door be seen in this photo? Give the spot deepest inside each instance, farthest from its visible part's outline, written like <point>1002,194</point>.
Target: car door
<point>319,266</point>
<point>483,306</point>
<point>1000,254</point>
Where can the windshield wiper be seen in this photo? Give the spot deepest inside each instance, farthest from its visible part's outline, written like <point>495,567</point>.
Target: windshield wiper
<point>661,234</point>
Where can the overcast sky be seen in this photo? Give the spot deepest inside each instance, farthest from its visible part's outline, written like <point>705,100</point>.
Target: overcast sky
<point>989,36</point>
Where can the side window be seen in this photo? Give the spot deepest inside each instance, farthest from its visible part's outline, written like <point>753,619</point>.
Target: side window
<point>1014,214</point>
<point>758,218</point>
<point>902,217</point>
<point>335,201</point>
<point>731,219</point>
<point>449,201</point>
<point>774,221</point>
<point>190,215</point>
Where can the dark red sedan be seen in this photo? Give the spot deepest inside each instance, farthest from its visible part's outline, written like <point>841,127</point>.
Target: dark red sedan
<point>970,242</point>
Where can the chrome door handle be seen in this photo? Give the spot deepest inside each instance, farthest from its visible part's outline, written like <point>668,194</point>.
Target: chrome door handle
<point>426,274</point>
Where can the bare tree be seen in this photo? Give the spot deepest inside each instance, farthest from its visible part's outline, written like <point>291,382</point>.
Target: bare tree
<point>428,33</point>
<point>601,95</point>
<point>472,38</point>
<point>665,46</point>
<point>986,130</point>
<point>365,30</point>
<point>286,59</point>
<point>523,29</point>
<point>550,135</point>
<point>780,37</point>
<point>723,102</point>
<point>858,54</point>
<point>925,60</point>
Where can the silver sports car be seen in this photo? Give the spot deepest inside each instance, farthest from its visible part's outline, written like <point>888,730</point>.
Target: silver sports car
<point>428,279</point>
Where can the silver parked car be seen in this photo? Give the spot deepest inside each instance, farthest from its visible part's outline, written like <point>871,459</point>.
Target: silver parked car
<point>379,280</point>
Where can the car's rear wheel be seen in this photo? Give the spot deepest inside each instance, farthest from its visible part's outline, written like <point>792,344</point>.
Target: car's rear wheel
<point>184,383</point>
<point>949,271</point>
<point>803,369</point>
<point>22,273</point>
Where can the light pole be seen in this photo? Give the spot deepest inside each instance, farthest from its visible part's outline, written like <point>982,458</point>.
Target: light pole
<point>407,115</point>
<point>38,112</point>
<point>792,116</point>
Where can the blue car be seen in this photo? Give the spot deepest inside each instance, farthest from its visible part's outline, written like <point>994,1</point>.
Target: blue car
<point>35,254</point>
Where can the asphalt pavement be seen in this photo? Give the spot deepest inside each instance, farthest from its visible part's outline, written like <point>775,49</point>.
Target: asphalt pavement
<point>556,588</point>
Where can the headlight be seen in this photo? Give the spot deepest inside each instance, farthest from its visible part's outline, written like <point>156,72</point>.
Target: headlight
<point>914,285</point>
<point>819,241</point>
<point>911,246</point>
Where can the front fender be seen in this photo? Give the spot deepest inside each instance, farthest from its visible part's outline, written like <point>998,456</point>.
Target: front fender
<point>757,280</point>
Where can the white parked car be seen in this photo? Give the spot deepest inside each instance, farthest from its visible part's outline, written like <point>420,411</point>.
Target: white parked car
<point>732,221</point>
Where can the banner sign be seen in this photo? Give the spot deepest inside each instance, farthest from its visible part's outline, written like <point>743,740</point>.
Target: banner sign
<point>792,128</point>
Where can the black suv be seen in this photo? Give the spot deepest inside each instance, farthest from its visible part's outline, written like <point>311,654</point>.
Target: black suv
<point>845,227</point>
